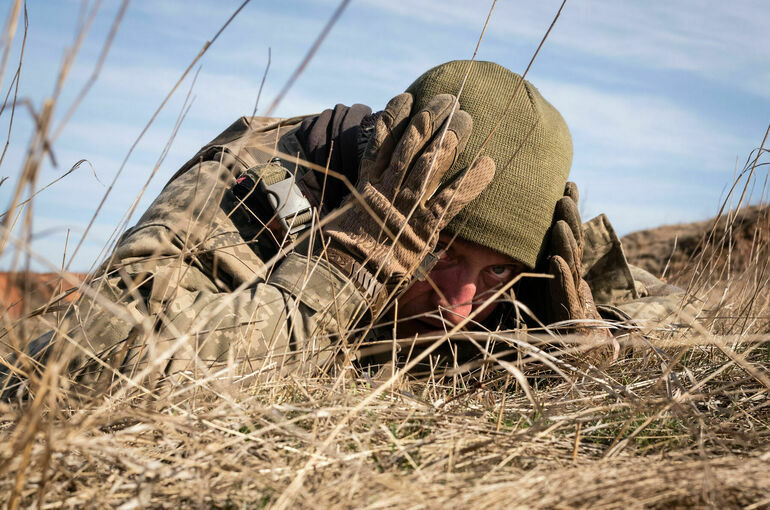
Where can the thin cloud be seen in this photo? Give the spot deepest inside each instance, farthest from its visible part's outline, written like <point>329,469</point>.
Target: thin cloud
<point>711,38</point>
<point>630,129</point>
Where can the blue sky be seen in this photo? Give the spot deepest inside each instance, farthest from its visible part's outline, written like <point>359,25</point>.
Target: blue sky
<point>665,100</point>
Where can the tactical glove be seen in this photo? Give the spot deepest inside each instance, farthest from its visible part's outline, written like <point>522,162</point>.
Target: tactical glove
<point>566,296</point>
<point>393,224</point>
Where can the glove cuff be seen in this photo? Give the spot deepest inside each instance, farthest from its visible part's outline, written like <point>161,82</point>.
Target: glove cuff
<point>376,290</point>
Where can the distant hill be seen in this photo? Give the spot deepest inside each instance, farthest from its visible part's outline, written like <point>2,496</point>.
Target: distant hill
<point>39,287</point>
<point>736,237</point>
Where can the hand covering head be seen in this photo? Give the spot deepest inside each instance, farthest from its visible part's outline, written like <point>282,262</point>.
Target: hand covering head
<point>339,130</point>
<point>529,142</point>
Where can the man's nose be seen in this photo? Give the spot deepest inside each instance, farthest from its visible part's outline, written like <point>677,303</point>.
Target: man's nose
<point>458,298</point>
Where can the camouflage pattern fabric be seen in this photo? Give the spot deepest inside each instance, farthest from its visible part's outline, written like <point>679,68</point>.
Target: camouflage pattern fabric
<point>625,291</point>
<point>190,286</point>
<point>193,286</point>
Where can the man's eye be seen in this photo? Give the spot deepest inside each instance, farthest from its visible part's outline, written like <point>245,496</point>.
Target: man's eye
<point>501,272</point>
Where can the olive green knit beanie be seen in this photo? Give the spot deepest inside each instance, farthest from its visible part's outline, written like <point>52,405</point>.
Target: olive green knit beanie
<point>531,147</point>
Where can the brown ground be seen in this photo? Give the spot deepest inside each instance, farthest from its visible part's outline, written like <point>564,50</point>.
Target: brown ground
<point>23,296</point>
<point>680,246</point>
<point>39,286</point>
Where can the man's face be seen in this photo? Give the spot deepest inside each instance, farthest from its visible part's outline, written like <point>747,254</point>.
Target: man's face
<point>466,275</point>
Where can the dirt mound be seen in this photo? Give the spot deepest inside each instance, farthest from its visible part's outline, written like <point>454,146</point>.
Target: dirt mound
<point>730,243</point>
<point>37,288</point>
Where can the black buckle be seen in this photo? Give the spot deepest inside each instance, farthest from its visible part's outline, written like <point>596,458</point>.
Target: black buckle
<point>290,207</point>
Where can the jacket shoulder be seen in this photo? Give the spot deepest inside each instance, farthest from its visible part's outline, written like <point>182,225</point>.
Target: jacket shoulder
<point>254,125</point>
<point>618,285</point>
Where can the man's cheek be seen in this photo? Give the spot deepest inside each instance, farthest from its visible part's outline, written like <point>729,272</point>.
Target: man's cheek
<point>485,296</point>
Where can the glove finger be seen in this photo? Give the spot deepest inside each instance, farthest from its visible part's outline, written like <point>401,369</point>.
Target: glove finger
<point>609,347</point>
<point>461,190</point>
<point>564,245</point>
<point>567,211</point>
<point>390,125</point>
<point>440,155</point>
<point>571,190</point>
<point>587,297</point>
<point>418,133</point>
<point>565,300</point>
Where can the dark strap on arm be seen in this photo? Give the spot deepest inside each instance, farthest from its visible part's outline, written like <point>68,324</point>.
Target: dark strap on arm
<point>342,126</point>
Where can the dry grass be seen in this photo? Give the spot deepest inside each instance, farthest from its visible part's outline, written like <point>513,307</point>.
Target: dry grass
<point>682,419</point>
<point>652,432</point>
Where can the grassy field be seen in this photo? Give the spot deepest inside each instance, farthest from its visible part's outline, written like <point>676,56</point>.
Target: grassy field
<point>683,423</point>
<point>681,419</point>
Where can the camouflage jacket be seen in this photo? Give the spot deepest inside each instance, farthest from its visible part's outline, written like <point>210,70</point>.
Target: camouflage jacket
<point>199,280</point>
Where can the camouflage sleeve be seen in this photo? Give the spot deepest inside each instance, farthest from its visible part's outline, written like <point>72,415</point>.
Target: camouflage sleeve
<point>175,323</point>
<point>187,289</point>
<point>624,291</point>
